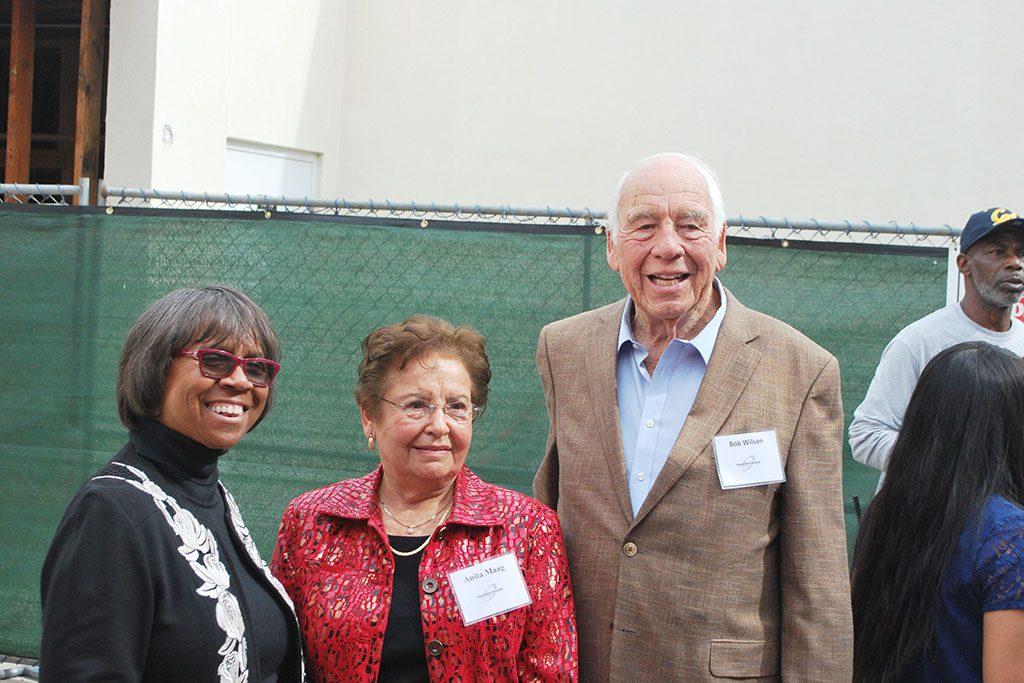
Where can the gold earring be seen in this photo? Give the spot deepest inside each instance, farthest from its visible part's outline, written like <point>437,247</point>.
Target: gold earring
<point>369,443</point>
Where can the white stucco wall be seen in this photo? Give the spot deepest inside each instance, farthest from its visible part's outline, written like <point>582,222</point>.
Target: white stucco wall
<point>844,109</point>
<point>190,106</point>
<point>131,82</point>
<point>285,77</point>
<point>255,70</point>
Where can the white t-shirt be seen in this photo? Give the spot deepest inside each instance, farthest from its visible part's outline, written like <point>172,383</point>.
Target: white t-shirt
<point>877,420</point>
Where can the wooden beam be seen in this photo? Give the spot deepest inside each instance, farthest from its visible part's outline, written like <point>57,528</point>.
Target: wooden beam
<point>19,98</point>
<point>68,104</point>
<point>91,53</point>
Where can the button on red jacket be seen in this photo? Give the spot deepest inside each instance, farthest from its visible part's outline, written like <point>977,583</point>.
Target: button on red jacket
<point>332,557</point>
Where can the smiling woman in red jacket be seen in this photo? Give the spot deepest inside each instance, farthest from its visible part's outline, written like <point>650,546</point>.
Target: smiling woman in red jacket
<point>420,571</point>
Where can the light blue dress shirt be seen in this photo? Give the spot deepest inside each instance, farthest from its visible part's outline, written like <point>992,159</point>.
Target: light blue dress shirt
<point>652,409</point>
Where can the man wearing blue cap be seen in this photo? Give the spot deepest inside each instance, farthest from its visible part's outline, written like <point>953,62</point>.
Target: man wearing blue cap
<point>991,260</point>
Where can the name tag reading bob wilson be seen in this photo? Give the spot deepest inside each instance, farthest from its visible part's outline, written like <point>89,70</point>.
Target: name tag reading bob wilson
<point>750,459</point>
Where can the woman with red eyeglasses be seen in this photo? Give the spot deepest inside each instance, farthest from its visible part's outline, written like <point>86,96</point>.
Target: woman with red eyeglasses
<point>152,574</point>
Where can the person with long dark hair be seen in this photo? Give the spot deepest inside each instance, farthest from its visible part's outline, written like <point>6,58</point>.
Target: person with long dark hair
<point>938,569</point>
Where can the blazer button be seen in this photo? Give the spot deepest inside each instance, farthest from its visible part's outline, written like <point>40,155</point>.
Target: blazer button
<point>629,549</point>
<point>435,648</point>
<point>429,586</point>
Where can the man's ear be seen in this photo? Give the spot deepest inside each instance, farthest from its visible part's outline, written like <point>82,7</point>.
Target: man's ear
<point>963,264</point>
<point>609,243</point>
<point>720,257</point>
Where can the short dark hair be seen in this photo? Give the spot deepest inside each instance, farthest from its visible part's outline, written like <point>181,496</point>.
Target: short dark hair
<point>217,315</point>
<point>393,346</point>
<point>961,442</point>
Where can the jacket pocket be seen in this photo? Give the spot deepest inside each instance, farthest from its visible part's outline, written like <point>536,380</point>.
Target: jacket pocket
<point>744,658</point>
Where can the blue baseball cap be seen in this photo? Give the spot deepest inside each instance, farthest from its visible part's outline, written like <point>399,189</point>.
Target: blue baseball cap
<point>979,225</point>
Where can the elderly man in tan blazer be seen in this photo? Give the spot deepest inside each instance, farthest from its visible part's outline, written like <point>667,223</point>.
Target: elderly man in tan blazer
<point>695,460</point>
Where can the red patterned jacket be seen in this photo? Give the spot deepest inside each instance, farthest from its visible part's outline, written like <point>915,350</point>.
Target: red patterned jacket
<point>333,558</point>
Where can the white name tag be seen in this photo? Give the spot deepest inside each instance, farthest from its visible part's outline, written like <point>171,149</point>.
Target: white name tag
<point>489,588</point>
<point>750,459</point>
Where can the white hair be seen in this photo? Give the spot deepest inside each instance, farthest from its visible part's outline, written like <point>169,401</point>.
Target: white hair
<point>706,172</point>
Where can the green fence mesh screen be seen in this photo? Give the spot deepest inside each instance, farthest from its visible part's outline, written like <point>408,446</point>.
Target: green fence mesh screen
<point>74,280</point>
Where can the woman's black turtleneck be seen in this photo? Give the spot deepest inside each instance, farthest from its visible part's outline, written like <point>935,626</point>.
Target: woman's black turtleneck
<point>188,462</point>
<point>120,599</point>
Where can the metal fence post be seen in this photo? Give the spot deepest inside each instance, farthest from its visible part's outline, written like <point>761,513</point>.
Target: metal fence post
<point>83,191</point>
<point>954,281</point>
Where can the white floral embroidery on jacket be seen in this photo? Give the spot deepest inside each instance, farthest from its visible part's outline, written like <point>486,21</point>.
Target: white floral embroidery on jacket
<point>199,548</point>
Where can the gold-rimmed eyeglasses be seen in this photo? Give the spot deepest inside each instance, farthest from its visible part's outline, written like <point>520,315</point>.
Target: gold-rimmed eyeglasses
<point>417,410</point>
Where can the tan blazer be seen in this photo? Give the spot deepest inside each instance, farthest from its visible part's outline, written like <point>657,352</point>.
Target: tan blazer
<point>703,583</point>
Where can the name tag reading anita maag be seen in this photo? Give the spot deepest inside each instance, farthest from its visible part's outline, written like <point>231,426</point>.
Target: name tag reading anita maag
<point>750,459</point>
<point>489,588</point>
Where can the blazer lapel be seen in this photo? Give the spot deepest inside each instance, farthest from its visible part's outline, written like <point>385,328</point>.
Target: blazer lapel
<point>732,363</point>
<point>601,352</point>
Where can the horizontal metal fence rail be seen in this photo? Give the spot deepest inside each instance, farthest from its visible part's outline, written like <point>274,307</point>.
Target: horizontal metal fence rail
<point>346,206</point>
<point>128,197</point>
<point>19,671</point>
<point>811,224</point>
<point>37,193</point>
<point>152,198</point>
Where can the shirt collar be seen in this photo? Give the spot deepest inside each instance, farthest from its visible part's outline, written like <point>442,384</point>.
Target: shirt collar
<point>704,342</point>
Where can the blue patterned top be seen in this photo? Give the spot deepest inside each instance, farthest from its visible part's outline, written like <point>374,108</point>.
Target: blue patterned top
<point>985,575</point>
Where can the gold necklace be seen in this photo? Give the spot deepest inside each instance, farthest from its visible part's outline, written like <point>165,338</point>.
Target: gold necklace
<point>410,553</point>
<point>410,527</point>
<point>413,527</point>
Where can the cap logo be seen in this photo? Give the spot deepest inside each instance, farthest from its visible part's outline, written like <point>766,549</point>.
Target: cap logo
<point>1002,215</point>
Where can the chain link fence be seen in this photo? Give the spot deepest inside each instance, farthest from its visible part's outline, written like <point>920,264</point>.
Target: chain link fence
<point>34,194</point>
<point>75,279</point>
<point>757,226</point>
